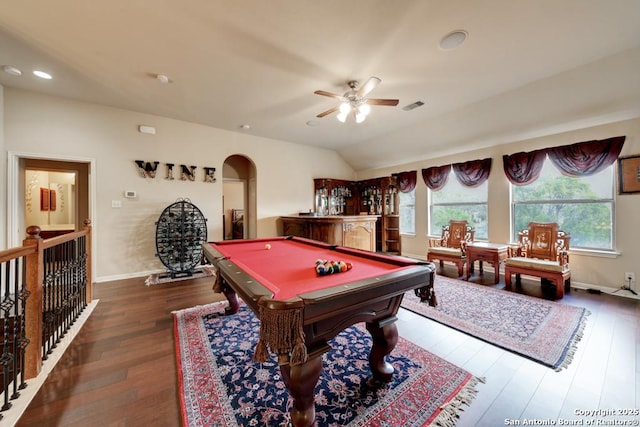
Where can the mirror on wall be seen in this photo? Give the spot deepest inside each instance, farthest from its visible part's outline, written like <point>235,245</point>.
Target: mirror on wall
<point>50,200</point>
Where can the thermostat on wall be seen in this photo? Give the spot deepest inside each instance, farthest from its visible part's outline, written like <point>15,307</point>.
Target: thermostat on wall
<point>129,194</point>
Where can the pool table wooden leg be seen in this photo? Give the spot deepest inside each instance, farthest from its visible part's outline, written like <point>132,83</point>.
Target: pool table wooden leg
<point>231,296</point>
<point>301,381</point>
<point>385,338</point>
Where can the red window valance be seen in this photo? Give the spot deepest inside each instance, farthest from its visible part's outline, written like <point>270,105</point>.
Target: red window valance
<point>579,159</point>
<point>586,158</point>
<point>523,168</point>
<point>406,181</point>
<point>471,173</point>
<point>436,177</point>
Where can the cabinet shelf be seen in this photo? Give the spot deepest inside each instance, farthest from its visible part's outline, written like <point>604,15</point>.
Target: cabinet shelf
<point>376,196</point>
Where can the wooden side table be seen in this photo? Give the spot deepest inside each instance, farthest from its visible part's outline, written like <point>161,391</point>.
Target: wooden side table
<point>493,253</point>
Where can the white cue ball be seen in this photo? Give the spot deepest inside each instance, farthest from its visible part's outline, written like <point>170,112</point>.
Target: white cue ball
<point>267,246</point>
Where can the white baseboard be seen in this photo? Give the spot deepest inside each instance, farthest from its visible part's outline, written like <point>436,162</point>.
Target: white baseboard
<point>144,274</point>
<point>619,292</point>
<point>577,285</point>
<point>127,276</point>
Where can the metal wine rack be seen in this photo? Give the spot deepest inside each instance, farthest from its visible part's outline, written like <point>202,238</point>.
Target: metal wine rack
<point>180,232</point>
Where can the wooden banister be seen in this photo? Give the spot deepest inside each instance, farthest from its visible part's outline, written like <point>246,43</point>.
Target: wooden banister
<point>31,298</point>
<point>33,307</point>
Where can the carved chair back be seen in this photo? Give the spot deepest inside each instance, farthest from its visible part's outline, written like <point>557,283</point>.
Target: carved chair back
<point>457,234</point>
<point>544,241</point>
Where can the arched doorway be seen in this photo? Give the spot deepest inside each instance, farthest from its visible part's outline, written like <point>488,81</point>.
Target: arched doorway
<point>239,198</point>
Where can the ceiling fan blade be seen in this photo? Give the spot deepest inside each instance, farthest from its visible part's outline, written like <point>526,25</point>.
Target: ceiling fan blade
<point>329,111</point>
<point>329,94</point>
<point>368,86</point>
<point>390,102</point>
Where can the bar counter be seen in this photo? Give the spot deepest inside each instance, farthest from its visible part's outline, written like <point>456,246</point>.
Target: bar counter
<point>354,231</point>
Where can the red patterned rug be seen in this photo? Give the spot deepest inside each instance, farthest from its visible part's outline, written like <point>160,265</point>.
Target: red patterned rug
<point>221,385</point>
<point>544,331</point>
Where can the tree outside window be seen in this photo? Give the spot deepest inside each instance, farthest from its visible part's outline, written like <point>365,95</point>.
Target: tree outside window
<point>458,202</point>
<point>583,206</point>
<point>408,212</point>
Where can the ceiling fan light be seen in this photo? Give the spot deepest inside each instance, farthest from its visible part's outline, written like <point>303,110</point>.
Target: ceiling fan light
<point>360,117</point>
<point>364,109</point>
<point>345,108</point>
<point>343,116</point>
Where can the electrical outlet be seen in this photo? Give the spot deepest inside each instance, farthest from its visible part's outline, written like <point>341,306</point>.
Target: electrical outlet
<point>629,276</point>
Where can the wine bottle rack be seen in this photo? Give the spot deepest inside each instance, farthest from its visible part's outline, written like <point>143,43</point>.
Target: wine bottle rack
<point>180,232</point>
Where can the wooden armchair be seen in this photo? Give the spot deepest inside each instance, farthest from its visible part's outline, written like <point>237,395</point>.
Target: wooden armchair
<point>542,251</point>
<point>452,246</point>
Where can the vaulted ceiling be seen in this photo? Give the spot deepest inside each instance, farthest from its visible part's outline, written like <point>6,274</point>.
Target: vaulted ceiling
<point>526,68</point>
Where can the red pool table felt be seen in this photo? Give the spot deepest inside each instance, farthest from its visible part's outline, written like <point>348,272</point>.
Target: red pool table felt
<point>288,268</point>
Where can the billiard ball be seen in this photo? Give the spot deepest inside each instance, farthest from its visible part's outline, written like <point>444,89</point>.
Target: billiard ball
<point>267,246</point>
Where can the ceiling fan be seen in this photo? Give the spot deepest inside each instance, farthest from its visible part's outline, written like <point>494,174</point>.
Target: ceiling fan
<point>355,100</point>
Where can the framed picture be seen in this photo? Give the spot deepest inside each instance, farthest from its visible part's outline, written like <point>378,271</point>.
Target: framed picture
<point>629,174</point>
<point>52,200</point>
<point>44,199</point>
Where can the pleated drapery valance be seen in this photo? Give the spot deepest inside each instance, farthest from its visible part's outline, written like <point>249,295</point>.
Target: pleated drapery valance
<point>579,159</point>
<point>406,181</point>
<point>470,174</point>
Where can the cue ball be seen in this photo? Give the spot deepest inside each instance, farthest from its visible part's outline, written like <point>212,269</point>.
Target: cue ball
<point>267,246</point>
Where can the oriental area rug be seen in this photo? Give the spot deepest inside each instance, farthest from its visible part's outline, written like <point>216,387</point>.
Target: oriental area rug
<point>221,385</point>
<point>544,331</point>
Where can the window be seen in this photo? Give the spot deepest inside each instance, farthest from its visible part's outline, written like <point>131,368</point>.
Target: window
<point>582,206</point>
<point>408,212</point>
<point>459,202</point>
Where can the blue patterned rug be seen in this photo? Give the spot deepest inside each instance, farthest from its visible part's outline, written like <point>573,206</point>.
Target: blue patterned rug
<point>544,331</point>
<point>221,385</point>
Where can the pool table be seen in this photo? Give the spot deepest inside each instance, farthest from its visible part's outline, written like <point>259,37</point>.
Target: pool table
<point>300,311</point>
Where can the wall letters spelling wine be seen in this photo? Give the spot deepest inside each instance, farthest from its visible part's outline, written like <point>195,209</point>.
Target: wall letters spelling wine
<point>187,173</point>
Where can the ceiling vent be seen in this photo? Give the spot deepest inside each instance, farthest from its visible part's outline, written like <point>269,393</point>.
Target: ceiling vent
<point>413,106</point>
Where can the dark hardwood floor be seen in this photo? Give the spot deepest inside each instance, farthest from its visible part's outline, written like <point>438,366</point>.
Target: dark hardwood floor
<point>120,370</point>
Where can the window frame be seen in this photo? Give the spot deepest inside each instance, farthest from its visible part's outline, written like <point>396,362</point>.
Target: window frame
<point>402,206</point>
<point>578,201</point>
<point>431,232</point>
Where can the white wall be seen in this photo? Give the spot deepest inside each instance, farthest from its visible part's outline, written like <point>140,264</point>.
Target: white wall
<point>62,183</point>
<point>3,173</point>
<point>40,124</point>
<point>587,269</point>
<point>35,123</point>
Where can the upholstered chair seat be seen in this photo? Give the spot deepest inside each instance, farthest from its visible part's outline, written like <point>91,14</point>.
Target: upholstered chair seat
<point>542,251</point>
<point>451,246</point>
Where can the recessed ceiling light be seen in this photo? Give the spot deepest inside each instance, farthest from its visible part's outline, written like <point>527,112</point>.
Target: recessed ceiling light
<point>245,127</point>
<point>11,70</point>
<point>453,39</point>
<point>42,75</point>
<point>313,123</point>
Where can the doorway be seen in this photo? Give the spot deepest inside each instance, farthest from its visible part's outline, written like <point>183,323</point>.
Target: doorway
<point>57,169</point>
<point>238,198</point>
<point>56,195</point>
<point>51,201</point>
